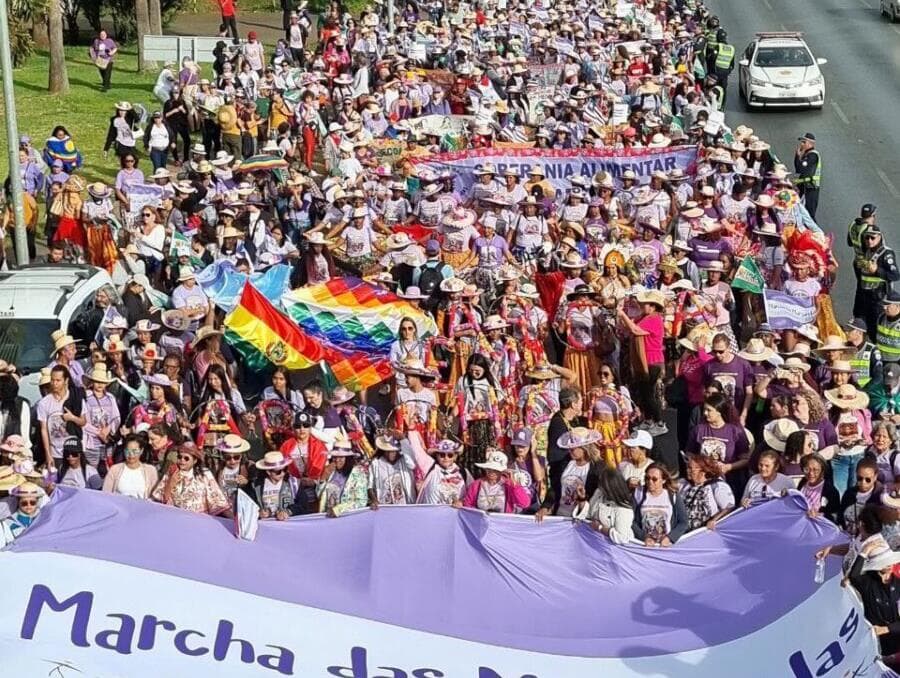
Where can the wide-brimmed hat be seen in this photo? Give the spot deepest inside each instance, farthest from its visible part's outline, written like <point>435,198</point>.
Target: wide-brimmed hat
<point>834,343</point>
<point>175,319</point>
<point>412,292</point>
<point>341,395</point>
<point>494,460</point>
<point>398,241</point>
<point>388,441</point>
<point>446,446</point>
<point>27,489</point>
<point>847,397</point>
<point>494,322</point>
<point>114,344</point>
<point>233,444</point>
<point>61,340</point>
<point>776,433</point>
<point>186,273</point>
<point>841,367</point>
<point>794,363</point>
<point>652,297</point>
<point>583,291</point>
<point>99,374</point>
<point>316,238</point>
<point>145,325</point>
<point>756,351</point>
<point>99,190</point>
<point>150,352</point>
<point>881,561</point>
<point>15,445</point>
<point>205,333</point>
<point>640,439</point>
<point>123,106</point>
<point>272,461</point>
<point>159,379</point>
<point>580,436</point>
<point>453,285</point>
<point>460,218</point>
<point>9,478</point>
<point>342,447</point>
<point>573,260</point>
<point>767,228</point>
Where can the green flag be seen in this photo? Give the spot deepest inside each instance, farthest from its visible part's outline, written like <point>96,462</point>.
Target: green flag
<point>747,277</point>
<point>179,243</point>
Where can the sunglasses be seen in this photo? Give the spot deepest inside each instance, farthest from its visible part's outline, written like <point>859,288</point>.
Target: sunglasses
<point>146,214</point>
<point>864,479</point>
<point>606,373</point>
<point>446,454</point>
<point>654,479</point>
<point>185,457</point>
<point>132,450</point>
<point>233,457</point>
<point>722,352</point>
<point>27,502</point>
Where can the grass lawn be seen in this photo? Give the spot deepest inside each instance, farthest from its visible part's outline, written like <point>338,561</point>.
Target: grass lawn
<point>84,111</point>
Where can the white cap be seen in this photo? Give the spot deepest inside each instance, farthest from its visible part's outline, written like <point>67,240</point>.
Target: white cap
<point>640,439</point>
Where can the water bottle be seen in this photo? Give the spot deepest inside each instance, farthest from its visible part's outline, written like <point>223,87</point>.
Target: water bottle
<point>819,576</point>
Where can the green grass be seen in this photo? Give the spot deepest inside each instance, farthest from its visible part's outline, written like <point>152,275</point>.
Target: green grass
<point>84,111</point>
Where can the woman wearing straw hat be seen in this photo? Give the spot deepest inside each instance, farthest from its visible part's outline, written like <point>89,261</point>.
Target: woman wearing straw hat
<point>872,575</point>
<point>477,405</point>
<point>579,475</point>
<point>445,482</point>
<point>496,491</point>
<point>275,491</point>
<point>852,422</point>
<point>316,265</point>
<point>102,419</point>
<point>579,320</point>
<point>391,473</point>
<point>28,497</point>
<point>344,484</point>
<point>647,356</point>
<point>190,485</point>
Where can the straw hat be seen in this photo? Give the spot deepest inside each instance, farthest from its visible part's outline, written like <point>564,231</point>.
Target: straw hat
<point>316,238</point>
<point>186,273</point>
<point>27,489</point>
<point>652,297</point>
<point>342,447</point>
<point>99,190</point>
<point>191,449</point>
<point>833,343</point>
<point>494,322</point>
<point>398,241</point>
<point>756,351</point>
<point>158,380</point>
<point>847,397</point>
<point>453,285</point>
<point>9,479</point>
<point>494,460</point>
<point>794,363</point>
<point>123,106</point>
<point>61,340</point>
<point>573,260</point>
<point>776,433</point>
<point>233,444</point>
<point>114,344</point>
<point>387,441</point>
<point>99,374</point>
<point>205,333</point>
<point>881,561</point>
<point>413,293</point>
<point>579,436</point>
<point>841,367</point>
<point>445,446</point>
<point>27,469</point>
<point>44,379</point>
<point>150,352</point>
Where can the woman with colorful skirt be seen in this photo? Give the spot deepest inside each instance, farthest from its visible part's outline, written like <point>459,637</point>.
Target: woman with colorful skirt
<point>477,401</point>
<point>578,322</point>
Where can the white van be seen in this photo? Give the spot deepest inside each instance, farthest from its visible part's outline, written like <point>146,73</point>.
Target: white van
<point>36,300</point>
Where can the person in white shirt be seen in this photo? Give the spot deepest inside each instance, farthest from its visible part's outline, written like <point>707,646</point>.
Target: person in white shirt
<point>768,483</point>
<point>610,509</point>
<point>637,450</point>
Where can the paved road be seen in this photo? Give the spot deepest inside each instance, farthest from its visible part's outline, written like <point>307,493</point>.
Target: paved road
<point>857,130</point>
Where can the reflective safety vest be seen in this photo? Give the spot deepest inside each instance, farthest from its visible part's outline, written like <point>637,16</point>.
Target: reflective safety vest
<point>887,338</point>
<point>862,364</point>
<point>724,56</point>
<point>817,177</point>
<point>855,233</point>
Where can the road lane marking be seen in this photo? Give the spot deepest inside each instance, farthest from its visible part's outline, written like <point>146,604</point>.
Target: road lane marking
<point>887,182</point>
<point>768,5</point>
<point>840,113</point>
<point>865,3</point>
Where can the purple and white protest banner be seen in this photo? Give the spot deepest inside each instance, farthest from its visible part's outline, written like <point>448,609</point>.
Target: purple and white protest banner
<point>111,586</point>
<point>784,312</point>
<point>560,166</point>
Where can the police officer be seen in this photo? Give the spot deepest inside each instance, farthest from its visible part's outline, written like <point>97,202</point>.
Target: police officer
<point>876,271</point>
<point>858,227</point>
<point>866,358</point>
<point>720,59</point>
<point>808,166</point>
<point>887,332</point>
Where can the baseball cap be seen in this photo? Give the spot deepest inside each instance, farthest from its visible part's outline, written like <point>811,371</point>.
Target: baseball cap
<point>72,445</point>
<point>868,210</point>
<point>892,371</point>
<point>640,439</point>
<point>432,247</point>
<point>302,420</point>
<point>807,136</point>
<point>521,438</point>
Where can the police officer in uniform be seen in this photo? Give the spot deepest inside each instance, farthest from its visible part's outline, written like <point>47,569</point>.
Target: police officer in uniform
<point>808,166</point>
<point>866,359</point>
<point>720,60</point>
<point>876,271</point>
<point>887,332</point>
<point>858,227</point>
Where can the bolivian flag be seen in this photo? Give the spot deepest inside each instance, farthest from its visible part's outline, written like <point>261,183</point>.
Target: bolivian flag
<point>264,336</point>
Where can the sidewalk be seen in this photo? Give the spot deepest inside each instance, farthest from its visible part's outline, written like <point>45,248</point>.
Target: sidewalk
<point>266,24</point>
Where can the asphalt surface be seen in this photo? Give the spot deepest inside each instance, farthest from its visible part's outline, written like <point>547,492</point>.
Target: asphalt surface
<point>857,130</point>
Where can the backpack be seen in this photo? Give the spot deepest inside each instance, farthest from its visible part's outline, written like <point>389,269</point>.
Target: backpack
<point>430,280</point>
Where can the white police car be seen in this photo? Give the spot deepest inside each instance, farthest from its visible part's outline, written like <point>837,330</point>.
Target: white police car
<point>778,69</point>
<point>36,300</point>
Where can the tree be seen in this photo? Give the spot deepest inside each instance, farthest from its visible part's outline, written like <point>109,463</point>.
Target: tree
<point>59,77</point>
<point>155,17</point>
<point>142,19</point>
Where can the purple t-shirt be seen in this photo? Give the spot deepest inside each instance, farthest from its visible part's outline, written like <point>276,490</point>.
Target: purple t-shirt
<point>705,251</point>
<point>823,430</point>
<point>722,444</point>
<point>734,377</point>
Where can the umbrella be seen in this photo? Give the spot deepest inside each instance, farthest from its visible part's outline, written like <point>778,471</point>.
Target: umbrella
<point>262,162</point>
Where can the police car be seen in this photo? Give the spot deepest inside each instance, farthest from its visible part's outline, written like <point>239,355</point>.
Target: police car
<point>36,300</point>
<point>778,69</point>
